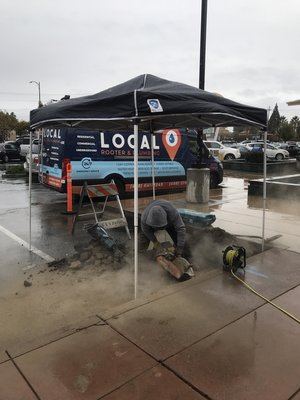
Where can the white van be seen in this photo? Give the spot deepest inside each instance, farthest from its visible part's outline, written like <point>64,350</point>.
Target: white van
<point>97,157</point>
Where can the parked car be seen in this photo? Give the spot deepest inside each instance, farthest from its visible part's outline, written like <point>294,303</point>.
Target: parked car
<point>229,143</point>
<point>221,151</point>
<point>34,158</point>
<point>242,148</point>
<point>272,151</point>
<point>247,141</point>
<point>22,155</point>
<point>24,143</point>
<point>9,151</point>
<point>293,149</point>
<point>277,144</point>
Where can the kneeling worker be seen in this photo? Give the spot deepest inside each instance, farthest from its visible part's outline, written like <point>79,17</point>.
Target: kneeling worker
<point>162,215</point>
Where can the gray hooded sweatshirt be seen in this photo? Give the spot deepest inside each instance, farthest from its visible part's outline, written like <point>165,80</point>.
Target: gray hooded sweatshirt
<point>162,214</point>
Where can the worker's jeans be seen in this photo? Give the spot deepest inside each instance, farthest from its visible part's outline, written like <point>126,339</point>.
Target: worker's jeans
<point>143,243</point>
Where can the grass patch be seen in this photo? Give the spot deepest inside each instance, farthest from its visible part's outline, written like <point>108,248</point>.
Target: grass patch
<point>15,170</point>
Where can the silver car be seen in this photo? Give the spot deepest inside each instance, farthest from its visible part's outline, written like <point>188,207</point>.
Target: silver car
<point>272,151</point>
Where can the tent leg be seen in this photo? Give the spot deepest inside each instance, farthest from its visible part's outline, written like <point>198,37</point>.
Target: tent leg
<point>152,160</point>
<point>41,144</point>
<point>136,208</point>
<point>30,186</point>
<point>264,192</point>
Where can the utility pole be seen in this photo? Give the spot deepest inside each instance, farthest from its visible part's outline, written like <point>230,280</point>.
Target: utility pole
<point>203,44</point>
<point>201,147</point>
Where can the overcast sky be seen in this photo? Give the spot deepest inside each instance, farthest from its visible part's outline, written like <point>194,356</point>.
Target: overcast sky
<point>81,47</point>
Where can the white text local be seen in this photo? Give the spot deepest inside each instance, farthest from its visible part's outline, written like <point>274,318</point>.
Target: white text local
<point>52,133</point>
<point>119,141</point>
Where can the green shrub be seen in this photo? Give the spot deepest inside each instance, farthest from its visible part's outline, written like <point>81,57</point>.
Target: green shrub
<point>15,170</point>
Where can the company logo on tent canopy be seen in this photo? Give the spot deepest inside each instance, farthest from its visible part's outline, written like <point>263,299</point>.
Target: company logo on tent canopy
<point>154,105</point>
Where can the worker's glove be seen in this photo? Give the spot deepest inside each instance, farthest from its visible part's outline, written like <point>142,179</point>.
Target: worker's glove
<point>156,246</point>
<point>170,256</point>
<point>158,249</point>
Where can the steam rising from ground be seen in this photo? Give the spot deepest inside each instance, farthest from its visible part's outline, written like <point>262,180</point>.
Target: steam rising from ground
<point>89,282</point>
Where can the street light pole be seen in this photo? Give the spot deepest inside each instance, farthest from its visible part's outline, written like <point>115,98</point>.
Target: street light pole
<point>39,88</point>
<point>202,77</point>
<point>203,44</point>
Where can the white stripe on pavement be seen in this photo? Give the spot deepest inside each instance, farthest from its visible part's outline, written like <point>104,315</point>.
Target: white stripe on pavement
<point>26,245</point>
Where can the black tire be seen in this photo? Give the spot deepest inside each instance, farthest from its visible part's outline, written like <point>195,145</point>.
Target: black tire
<point>279,157</point>
<point>229,157</point>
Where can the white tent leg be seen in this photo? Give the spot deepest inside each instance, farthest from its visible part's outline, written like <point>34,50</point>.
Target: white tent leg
<point>136,208</point>
<point>30,185</point>
<point>41,144</point>
<point>152,159</point>
<point>264,192</point>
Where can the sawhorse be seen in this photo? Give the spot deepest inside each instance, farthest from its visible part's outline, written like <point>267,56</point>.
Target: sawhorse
<point>105,190</point>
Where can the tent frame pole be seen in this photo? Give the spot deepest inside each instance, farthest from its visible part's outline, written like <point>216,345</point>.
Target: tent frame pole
<point>152,161</point>
<point>136,207</point>
<point>30,185</point>
<point>41,144</point>
<point>264,191</point>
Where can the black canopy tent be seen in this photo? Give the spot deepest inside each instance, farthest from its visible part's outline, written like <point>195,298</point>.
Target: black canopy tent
<point>156,103</point>
<point>147,103</point>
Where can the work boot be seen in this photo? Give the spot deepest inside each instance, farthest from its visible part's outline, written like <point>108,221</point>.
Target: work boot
<point>190,271</point>
<point>184,277</point>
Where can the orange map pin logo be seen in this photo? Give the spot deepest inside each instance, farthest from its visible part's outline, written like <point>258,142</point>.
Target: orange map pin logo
<point>171,139</point>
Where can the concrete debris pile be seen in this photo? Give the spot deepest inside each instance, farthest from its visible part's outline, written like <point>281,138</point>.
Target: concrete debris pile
<point>103,254</point>
<point>101,235</point>
<point>95,255</point>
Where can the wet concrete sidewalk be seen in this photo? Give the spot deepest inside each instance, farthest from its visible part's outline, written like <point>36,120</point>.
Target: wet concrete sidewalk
<point>208,338</point>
